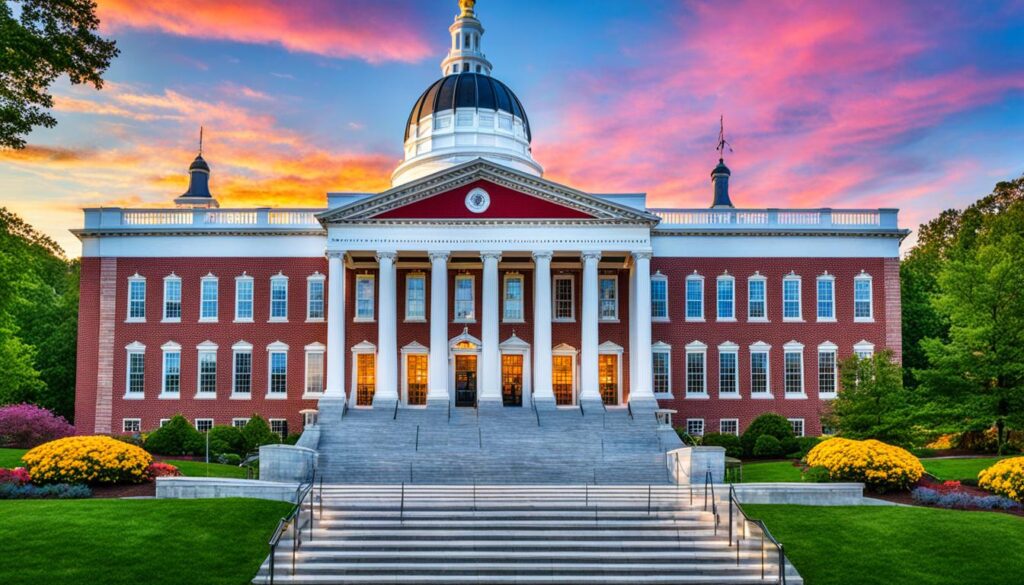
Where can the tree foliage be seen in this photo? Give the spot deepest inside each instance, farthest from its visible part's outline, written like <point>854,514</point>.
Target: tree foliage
<point>873,403</point>
<point>40,40</point>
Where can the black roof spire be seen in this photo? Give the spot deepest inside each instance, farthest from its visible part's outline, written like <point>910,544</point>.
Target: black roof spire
<point>720,174</point>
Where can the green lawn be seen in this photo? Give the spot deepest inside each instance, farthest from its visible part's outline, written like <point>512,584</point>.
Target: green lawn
<point>10,458</point>
<point>863,545</point>
<point>770,471</point>
<point>965,468</point>
<point>127,542</point>
<point>201,469</point>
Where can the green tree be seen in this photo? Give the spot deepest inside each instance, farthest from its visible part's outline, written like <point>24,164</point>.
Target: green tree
<point>872,403</point>
<point>40,40</point>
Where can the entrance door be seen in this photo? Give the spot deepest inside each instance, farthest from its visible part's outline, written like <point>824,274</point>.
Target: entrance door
<point>562,379</point>
<point>465,380</point>
<point>608,378</point>
<point>416,378</point>
<point>512,379</point>
<point>366,378</point>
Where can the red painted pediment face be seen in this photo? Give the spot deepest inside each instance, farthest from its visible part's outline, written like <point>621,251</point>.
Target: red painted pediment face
<point>499,203</point>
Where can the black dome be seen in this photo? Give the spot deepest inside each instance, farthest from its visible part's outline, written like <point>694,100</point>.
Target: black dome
<point>199,164</point>
<point>467,90</point>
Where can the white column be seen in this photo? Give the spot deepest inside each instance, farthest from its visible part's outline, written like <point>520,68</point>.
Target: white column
<point>588,344</point>
<point>542,370</point>
<point>642,317</point>
<point>437,383</point>
<point>335,325</point>
<point>490,372</point>
<point>387,346</point>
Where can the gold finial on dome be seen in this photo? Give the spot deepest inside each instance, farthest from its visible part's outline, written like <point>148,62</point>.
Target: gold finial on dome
<point>467,8</point>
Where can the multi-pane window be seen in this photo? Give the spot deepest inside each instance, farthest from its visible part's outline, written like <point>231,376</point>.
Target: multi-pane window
<point>208,288</point>
<point>695,427</point>
<point>136,373</point>
<point>416,377</point>
<point>239,423</point>
<point>416,297</point>
<point>172,298</point>
<point>794,371</point>
<point>563,298</point>
<point>464,302</point>
<point>659,297</point>
<point>726,298</point>
<point>278,372</point>
<point>862,309</point>
<point>207,372</point>
<point>366,378</point>
<point>315,298</point>
<point>513,297</point>
<point>864,350</point>
<point>729,426</point>
<point>279,426</point>
<point>314,372</point>
<point>661,372</point>
<point>695,379</point>
<point>364,297</point>
<point>137,299</point>
<point>727,373</point>
<point>826,371</point>
<point>756,305</point>
<point>798,426</point>
<point>203,425</point>
<point>759,372</point>
<point>278,298</point>
<point>131,425</point>
<point>243,298</point>
<point>172,372</point>
<point>608,298</point>
<point>242,380</point>
<point>694,297</point>
<point>791,298</point>
<point>826,298</point>
<point>562,378</point>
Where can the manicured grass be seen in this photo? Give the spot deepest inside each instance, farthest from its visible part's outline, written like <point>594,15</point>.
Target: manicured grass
<point>770,471</point>
<point>128,542</point>
<point>10,458</point>
<point>961,468</point>
<point>201,469</point>
<point>862,545</point>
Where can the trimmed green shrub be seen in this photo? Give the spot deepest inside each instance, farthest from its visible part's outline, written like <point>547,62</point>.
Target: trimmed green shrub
<point>292,438</point>
<point>226,439</point>
<point>732,445</point>
<point>229,459</point>
<point>767,446</point>
<point>257,432</point>
<point>767,424</point>
<point>816,474</point>
<point>177,437</point>
<point>803,446</point>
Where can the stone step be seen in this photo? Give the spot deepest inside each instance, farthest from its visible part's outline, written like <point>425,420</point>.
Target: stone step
<point>540,579</point>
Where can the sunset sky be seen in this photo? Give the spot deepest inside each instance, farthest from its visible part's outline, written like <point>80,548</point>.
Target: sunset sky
<point>916,105</point>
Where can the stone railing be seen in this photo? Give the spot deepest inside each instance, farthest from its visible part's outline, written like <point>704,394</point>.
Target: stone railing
<point>773,219</point>
<point>211,219</point>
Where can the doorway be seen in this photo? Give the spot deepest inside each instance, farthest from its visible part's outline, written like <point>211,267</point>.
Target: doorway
<point>608,378</point>
<point>512,379</point>
<point>465,379</point>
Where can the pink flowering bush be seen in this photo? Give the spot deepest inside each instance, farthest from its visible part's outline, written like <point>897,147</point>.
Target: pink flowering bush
<point>25,426</point>
<point>17,476</point>
<point>158,469</point>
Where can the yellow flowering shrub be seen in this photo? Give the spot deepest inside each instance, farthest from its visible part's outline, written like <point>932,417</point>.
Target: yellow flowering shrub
<point>880,466</point>
<point>92,460</point>
<point>1005,478</point>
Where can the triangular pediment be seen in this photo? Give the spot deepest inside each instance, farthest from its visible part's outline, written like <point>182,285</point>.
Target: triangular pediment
<point>482,191</point>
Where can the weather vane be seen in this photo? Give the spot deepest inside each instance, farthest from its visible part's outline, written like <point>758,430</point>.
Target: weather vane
<point>722,143</point>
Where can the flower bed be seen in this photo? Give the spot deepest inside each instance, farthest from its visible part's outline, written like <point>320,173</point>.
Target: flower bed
<point>91,460</point>
<point>17,476</point>
<point>25,426</point>
<point>57,491</point>
<point>955,499</point>
<point>882,467</point>
<point>1005,478</point>
<point>158,469</point>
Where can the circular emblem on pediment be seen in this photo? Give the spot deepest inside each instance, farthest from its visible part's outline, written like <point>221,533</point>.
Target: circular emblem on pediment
<point>477,200</point>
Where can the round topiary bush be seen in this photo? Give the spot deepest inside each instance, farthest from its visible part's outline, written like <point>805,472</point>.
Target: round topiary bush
<point>177,437</point>
<point>257,432</point>
<point>767,424</point>
<point>226,440</point>
<point>730,442</point>
<point>91,460</point>
<point>767,446</point>
<point>25,425</point>
<point>880,466</point>
<point>1005,478</point>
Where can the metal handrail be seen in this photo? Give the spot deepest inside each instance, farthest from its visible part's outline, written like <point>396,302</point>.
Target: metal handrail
<point>765,533</point>
<point>629,407</point>
<point>293,519</point>
<point>709,483</point>
<point>533,402</point>
<point>395,417</point>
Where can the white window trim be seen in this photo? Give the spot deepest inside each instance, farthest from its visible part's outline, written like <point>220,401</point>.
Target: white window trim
<point>718,316</point>
<point>363,347</point>
<point>662,347</point>
<point>761,347</point>
<point>124,424</point>
<point>803,426</point>
<point>235,420</point>
<point>615,281</point>
<point>169,347</point>
<point>202,283</point>
<point>128,315</point>
<point>245,278</point>
<point>735,420</point>
<point>658,276</point>
<point>314,349</point>
<point>413,348</point>
<point>728,347</point>
<point>793,277</point>
<point>504,297</point>
<point>322,279</point>
<point>828,347</point>
<point>270,423</point>
<point>703,427</point>
<point>164,421</point>
<point>696,347</point>
<point>864,346</point>
<point>757,276</point>
<point>206,347</point>
<point>172,277</point>
<point>134,348</point>
<point>798,348</point>
<point>277,347</point>
<point>864,276</point>
<point>421,276</point>
<point>373,299</point>
<point>241,347</point>
<point>686,298</point>
<point>271,318</point>
<point>472,291</point>
<point>195,423</point>
<point>817,296</point>
<point>572,298</point>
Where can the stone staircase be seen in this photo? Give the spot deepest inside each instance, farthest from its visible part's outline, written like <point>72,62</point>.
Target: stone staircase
<point>547,534</point>
<point>492,446</point>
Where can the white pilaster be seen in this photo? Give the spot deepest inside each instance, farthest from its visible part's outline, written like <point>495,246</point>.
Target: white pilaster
<point>335,325</point>
<point>437,383</point>
<point>387,346</point>
<point>588,344</point>
<point>490,372</point>
<point>542,390</point>
<point>642,363</point>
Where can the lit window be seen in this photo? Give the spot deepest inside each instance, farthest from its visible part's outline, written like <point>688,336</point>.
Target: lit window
<point>278,372</point>
<point>862,309</point>
<point>726,298</point>
<point>661,358</point>
<point>791,298</point>
<point>172,298</point>
<point>364,297</point>
<point>563,298</point>
<point>757,309</point>
<point>659,297</point>
<point>827,373</point>
<point>416,377</point>
<point>131,425</point>
<point>513,296</point>
<point>242,383</point>
<point>172,372</point>
<point>243,298</point>
<point>464,302</point>
<point>694,297</point>
<point>826,298</point>
<point>727,373</point>
<point>759,385</point>
<point>136,298</point>
<point>696,354</point>
<point>279,426</point>
<point>314,371</point>
<point>695,427</point>
<point>798,426</point>
<point>136,377</point>
<point>279,298</point>
<point>203,425</point>
<point>366,377</point>
<point>208,298</point>
<point>416,297</point>
<point>315,297</point>
<point>729,426</point>
<point>608,298</point>
<point>207,372</point>
<point>794,370</point>
<point>563,382</point>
